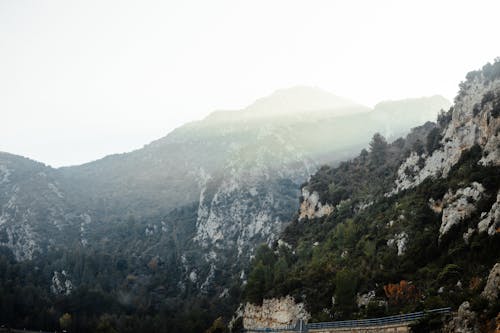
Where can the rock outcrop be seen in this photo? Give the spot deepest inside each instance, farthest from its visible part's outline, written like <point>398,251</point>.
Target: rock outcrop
<point>197,202</point>
<point>459,205</point>
<point>491,221</point>
<point>492,289</point>
<point>362,300</point>
<point>474,120</point>
<point>311,207</point>
<point>464,321</point>
<point>61,284</point>
<point>399,241</point>
<point>274,313</point>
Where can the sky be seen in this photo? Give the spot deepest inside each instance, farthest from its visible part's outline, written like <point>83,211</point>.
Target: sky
<point>83,79</point>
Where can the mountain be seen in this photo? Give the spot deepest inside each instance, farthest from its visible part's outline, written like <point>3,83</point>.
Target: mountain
<point>170,228</point>
<point>407,226</point>
<point>293,101</point>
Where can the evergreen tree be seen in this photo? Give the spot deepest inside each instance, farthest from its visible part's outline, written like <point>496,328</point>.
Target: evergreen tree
<point>378,149</point>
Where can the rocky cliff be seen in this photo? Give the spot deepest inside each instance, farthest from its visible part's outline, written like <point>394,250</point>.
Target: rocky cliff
<point>474,119</point>
<point>413,223</point>
<point>274,313</point>
<point>175,224</point>
<point>241,168</point>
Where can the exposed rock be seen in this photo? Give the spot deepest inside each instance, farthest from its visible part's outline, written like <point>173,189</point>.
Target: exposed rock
<point>282,243</point>
<point>86,220</point>
<point>363,205</point>
<point>465,129</point>
<point>21,239</point>
<point>239,209</point>
<point>274,313</point>
<point>408,172</point>
<point>464,321</point>
<point>224,293</point>
<point>243,172</point>
<point>193,276</point>
<point>459,205</point>
<point>61,284</point>
<point>4,174</point>
<point>491,222</point>
<point>400,240</point>
<point>365,299</point>
<point>492,288</point>
<point>236,319</point>
<point>436,205</point>
<point>311,207</point>
<point>344,254</point>
<point>468,235</point>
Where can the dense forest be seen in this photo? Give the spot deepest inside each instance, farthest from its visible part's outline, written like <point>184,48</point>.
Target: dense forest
<point>98,304</point>
<point>99,290</point>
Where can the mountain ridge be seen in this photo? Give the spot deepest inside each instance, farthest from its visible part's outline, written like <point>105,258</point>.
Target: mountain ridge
<point>175,223</point>
<point>406,226</point>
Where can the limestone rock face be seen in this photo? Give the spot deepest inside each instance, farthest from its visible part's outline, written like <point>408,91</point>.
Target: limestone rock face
<point>365,299</point>
<point>492,289</point>
<point>400,240</point>
<point>465,321</point>
<point>491,222</point>
<point>472,122</point>
<point>311,207</point>
<point>61,284</point>
<point>34,214</point>
<point>459,205</point>
<point>274,313</point>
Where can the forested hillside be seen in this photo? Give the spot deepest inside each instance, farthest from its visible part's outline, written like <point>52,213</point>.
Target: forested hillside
<point>411,225</point>
<point>159,239</point>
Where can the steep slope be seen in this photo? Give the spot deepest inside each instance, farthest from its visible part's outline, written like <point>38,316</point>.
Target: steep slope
<point>407,226</point>
<point>171,227</point>
<point>36,214</point>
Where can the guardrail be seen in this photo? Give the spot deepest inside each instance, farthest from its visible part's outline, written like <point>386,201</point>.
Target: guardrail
<point>396,319</point>
<point>280,329</point>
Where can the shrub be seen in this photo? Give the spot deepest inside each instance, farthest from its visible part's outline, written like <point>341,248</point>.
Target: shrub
<point>444,117</point>
<point>433,140</point>
<point>450,273</point>
<point>401,293</point>
<point>345,292</point>
<point>487,97</point>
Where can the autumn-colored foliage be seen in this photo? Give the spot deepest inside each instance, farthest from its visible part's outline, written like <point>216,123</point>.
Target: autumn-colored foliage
<point>153,264</point>
<point>401,293</point>
<point>475,283</point>
<point>217,326</point>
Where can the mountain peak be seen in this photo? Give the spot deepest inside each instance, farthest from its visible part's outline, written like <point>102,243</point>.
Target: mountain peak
<point>290,101</point>
<point>299,99</point>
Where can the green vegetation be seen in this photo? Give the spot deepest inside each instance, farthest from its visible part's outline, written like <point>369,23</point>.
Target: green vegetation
<point>355,250</point>
<point>99,306</point>
<point>116,289</point>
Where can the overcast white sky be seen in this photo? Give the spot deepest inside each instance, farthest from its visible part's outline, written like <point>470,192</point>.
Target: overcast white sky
<point>83,79</point>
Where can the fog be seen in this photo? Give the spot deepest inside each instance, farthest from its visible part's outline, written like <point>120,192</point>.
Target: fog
<point>83,79</point>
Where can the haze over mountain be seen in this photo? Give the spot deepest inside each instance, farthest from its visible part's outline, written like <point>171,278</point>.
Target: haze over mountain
<point>295,100</point>
<point>407,226</point>
<point>173,227</point>
<point>136,72</point>
<point>195,203</point>
<point>231,165</point>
